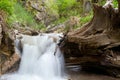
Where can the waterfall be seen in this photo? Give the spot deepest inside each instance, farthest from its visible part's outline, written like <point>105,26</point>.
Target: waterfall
<point>41,59</point>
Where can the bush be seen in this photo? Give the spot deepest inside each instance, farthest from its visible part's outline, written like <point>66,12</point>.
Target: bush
<point>23,17</point>
<point>85,19</point>
<point>52,7</point>
<point>7,6</point>
<point>65,4</point>
<point>115,3</point>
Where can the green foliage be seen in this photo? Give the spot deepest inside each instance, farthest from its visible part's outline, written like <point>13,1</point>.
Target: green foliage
<point>23,17</point>
<point>7,6</point>
<point>68,8</point>
<point>102,2</point>
<point>60,20</point>
<point>85,19</point>
<point>52,7</point>
<point>60,7</point>
<point>115,3</point>
<point>63,8</point>
<point>75,10</point>
<point>65,4</point>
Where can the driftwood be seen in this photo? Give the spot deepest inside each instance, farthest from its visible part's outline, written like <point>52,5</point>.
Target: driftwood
<point>97,42</point>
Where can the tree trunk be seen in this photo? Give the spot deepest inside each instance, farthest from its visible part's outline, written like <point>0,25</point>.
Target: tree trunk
<point>97,42</point>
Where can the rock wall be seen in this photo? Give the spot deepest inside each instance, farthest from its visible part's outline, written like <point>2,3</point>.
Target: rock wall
<point>6,43</point>
<point>40,10</point>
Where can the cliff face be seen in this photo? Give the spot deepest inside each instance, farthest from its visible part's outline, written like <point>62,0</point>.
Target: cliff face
<point>6,43</point>
<point>42,10</point>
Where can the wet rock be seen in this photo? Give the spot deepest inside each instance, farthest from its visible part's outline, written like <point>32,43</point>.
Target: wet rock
<point>10,64</point>
<point>6,41</point>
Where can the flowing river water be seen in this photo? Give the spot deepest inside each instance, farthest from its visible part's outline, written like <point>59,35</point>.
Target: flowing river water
<point>41,59</point>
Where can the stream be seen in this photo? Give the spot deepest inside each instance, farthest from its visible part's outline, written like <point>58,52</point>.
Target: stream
<point>41,59</point>
<point>76,73</point>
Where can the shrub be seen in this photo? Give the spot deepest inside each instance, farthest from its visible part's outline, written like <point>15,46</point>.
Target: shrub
<point>52,7</point>
<point>115,3</point>
<point>23,17</point>
<point>65,4</point>
<point>7,6</point>
<point>85,19</point>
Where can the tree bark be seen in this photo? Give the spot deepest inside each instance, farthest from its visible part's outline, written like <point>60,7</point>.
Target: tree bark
<point>97,42</point>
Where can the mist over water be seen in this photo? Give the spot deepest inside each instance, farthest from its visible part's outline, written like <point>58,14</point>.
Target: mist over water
<point>41,59</point>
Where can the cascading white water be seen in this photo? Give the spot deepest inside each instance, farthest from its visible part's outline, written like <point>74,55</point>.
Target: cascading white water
<point>41,59</point>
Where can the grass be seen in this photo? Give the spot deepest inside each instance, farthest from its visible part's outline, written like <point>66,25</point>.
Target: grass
<point>75,10</point>
<point>60,20</point>
<point>85,19</point>
<point>115,3</point>
<point>51,7</point>
<point>7,6</point>
<point>67,9</point>
<point>23,17</point>
<point>65,4</point>
<point>64,9</point>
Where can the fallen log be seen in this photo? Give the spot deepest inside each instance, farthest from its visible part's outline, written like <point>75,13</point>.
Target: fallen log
<point>98,41</point>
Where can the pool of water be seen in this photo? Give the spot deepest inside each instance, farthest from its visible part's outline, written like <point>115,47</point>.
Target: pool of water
<point>75,73</point>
